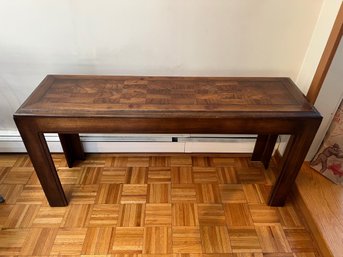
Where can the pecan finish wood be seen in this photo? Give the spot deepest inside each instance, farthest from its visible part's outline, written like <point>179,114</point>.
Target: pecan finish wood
<point>70,104</point>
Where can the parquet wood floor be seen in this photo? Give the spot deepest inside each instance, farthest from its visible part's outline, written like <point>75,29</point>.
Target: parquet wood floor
<point>149,206</point>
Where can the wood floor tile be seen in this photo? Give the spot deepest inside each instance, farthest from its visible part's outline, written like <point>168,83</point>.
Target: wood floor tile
<point>113,175</point>
<point>158,214</point>
<point>158,240</point>
<point>9,160</point>
<point>39,242</point>
<point>232,193</point>
<point>272,239</point>
<point>69,241</point>
<point>198,161</point>
<point>215,239</point>
<point>18,175</point>
<point>21,216</point>
<point>90,255</point>
<point>119,162</point>
<point>22,161</point>
<point>129,255</point>
<point>183,193</point>
<point>159,193</point>
<point>11,192</point>
<point>90,176</point>
<point>181,175</point>
<point>69,176</point>
<point>131,215</point>
<point>159,175</point>
<point>77,216</point>
<point>32,194</point>
<point>289,217</point>
<point>60,161</point>
<point>12,240</point>
<point>234,255</point>
<point>180,161</point>
<point>83,194</point>
<point>149,206</point>
<point>249,175</point>
<point>108,194</point>
<point>227,175</point>
<point>134,193</point>
<point>5,211</point>
<point>211,214</point>
<point>104,215</point>
<point>136,175</point>
<point>244,240</point>
<point>206,175</point>
<point>305,254</point>
<point>3,173</point>
<point>224,162</point>
<point>157,255</point>
<point>197,255</point>
<point>247,163</point>
<point>97,240</point>
<point>138,162</point>
<point>48,217</point>
<point>185,214</point>
<point>159,161</point>
<point>186,240</point>
<point>208,193</point>
<point>263,214</point>
<point>33,180</point>
<point>96,160</point>
<point>253,194</point>
<point>238,215</point>
<point>278,255</point>
<point>299,240</point>
<point>127,240</point>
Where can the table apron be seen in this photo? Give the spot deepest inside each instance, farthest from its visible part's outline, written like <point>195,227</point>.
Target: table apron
<point>167,125</point>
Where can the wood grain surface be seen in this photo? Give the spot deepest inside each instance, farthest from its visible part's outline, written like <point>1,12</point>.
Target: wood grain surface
<point>149,206</point>
<point>72,95</point>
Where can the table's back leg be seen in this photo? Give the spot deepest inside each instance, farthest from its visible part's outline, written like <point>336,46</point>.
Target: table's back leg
<point>292,161</point>
<point>40,156</point>
<point>263,150</point>
<point>72,148</point>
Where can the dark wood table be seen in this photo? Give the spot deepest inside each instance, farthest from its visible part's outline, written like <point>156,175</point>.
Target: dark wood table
<point>68,105</point>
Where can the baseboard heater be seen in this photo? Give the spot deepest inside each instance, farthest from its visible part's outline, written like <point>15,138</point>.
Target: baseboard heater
<point>143,143</point>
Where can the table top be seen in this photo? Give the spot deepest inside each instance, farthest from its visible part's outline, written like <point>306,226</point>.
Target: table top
<point>131,96</point>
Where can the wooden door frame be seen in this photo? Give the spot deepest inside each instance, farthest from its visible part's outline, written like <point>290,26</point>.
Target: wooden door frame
<point>327,57</point>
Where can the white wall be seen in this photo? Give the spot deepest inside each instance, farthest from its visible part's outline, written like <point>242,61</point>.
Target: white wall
<point>156,37</point>
<point>318,42</point>
<point>329,97</point>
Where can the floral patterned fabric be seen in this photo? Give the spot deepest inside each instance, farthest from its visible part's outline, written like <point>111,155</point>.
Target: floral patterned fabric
<point>329,159</point>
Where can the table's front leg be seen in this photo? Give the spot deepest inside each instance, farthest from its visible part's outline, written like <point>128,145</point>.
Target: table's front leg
<point>292,160</point>
<point>72,148</point>
<point>40,156</point>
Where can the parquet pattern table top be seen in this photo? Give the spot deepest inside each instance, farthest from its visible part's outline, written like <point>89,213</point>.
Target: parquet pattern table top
<point>69,95</point>
<point>149,206</point>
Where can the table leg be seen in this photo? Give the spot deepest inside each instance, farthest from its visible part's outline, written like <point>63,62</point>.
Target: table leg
<point>291,163</point>
<point>72,148</point>
<point>264,149</point>
<point>40,156</point>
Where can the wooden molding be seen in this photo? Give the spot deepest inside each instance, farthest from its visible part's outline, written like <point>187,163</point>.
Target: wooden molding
<point>299,203</point>
<point>327,57</point>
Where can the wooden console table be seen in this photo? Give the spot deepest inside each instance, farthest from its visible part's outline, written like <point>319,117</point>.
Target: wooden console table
<point>68,105</point>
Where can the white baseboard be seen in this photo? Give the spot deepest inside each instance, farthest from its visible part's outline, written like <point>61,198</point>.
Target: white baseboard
<point>10,142</point>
